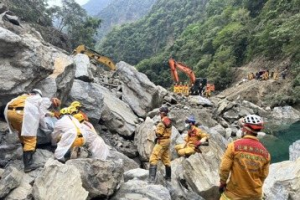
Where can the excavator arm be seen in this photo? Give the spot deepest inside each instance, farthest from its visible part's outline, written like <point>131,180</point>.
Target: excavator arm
<point>95,56</point>
<point>182,67</point>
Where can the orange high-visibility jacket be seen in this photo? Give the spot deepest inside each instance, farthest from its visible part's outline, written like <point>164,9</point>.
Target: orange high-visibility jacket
<point>248,161</point>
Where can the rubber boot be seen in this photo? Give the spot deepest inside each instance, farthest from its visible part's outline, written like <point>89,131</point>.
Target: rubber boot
<point>28,161</point>
<point>152,173</point>
<point>168,173</point>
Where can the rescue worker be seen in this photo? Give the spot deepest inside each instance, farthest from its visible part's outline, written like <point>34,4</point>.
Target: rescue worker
<point>78,106</point>
<point>67,134</point>
<point>161,150</point>
<point>23,115</point>
<point>248,161</point>
<point>94,142</point>
<point>195,137</point>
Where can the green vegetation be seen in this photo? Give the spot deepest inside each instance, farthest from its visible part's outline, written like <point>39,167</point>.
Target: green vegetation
<point>117,12</point>
<point>211,37</point>
<point>71,20</point>
<point>149,36</point>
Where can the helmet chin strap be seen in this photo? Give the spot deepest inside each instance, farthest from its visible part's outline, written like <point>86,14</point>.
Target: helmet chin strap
<point>248,130</point>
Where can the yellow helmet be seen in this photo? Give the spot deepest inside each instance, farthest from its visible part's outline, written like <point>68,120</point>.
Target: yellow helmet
<point>76,104</point>
<point>72,110</point>
<point>79,117</point>
<point>64,111</point>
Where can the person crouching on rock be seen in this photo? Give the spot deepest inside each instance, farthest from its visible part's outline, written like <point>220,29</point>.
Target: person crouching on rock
<point>193,140</point>
<point>67,134</point>
<point>161,150</point>
<point>23,115</point>
<point>94,142</point>
<point>245,163</point>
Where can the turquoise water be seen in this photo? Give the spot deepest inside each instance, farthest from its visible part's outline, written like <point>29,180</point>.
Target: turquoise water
<point>279,138</point>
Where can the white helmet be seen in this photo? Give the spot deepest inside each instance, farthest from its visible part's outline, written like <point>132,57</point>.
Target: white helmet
<point>37,91</point>
<point>253,119</point>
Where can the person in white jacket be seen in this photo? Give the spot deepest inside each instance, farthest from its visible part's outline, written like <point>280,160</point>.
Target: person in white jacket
<point>67,134</point>
<point>94,142</point>
<point>23,115</point>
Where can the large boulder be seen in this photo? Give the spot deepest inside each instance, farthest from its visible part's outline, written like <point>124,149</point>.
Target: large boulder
<point>10,146</point>
<point>294,150</point>
<point>286,112</point>
<point>144,139</point>
<point>89,94</point>
<point>137,190</point>
<point>83,68</point>
<point>25,61</point>
<point>59,83</point>
<point>117,115</point>
<point>138,91</point>
<point>59,181</point>
<point>283,181</point>
<point>23,191</point>
<point>102,177</point>
<point>10,179</point>
<point>199,172</point>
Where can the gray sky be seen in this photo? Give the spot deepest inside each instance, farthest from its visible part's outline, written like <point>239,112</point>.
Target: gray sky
<point>58,2</point>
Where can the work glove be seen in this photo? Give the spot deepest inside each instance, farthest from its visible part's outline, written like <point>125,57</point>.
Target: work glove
<point>222,187</point>
<point>197,144</point>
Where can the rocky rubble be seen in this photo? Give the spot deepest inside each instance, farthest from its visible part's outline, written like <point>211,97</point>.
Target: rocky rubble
<point>122,105</point>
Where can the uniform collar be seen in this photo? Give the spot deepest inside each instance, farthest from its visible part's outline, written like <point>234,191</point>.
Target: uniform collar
<point>250,137</point>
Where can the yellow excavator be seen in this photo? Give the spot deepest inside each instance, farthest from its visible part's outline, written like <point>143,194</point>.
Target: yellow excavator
<point>93,55</point>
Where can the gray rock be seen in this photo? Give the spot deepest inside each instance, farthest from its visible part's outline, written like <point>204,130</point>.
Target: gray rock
<point>10,179</point>
<point>117,115</point>
<point>294,150</point>
<point>140,174</point>
<point>59,181</point>
<point>199,100</point>
<point>89,94</point>
<point>83,68</point>
<point>102,178</point>
<point>10,146</point>
<point>283,181</point>
<point>144,139</point>
<point>138,91</point>
<point>59,83</point>
<point>286,112</point>
<point>23,191</point>
<point>128,163</point>
<point>137,190</point>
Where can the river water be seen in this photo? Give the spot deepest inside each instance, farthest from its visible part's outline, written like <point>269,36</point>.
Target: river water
<point>279,138</point>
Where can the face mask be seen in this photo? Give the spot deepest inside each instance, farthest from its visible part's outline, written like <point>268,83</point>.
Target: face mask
<point>187,126</point>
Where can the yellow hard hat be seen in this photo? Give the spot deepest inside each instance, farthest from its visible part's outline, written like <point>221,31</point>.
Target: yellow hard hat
<point>79,117</point>
<point>76,104</point>
<point>73,110</point>
<point>64,111</point>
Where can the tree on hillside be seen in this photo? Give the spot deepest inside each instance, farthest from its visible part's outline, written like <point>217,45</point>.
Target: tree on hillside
<point>33,11</point>
<point>74,21</point>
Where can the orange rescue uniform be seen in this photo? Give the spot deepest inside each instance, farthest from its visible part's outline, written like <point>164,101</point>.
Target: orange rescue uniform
<point>161,149</point>
<point>193,136</point>
<point>248,162</point>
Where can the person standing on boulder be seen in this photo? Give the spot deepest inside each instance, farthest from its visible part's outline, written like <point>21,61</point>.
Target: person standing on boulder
<point>23,115</point>
<point>248,161</point>
<point>161,150</point>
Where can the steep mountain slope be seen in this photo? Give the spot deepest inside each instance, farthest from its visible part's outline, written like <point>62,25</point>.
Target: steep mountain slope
<point>119,12</point>
<point>150,35</point>
<point>93,7</point>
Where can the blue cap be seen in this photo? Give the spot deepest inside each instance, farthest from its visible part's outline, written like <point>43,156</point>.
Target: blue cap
<point>190,119</point>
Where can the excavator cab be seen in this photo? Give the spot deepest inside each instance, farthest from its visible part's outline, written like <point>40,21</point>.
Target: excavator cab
<point>198,86</point>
